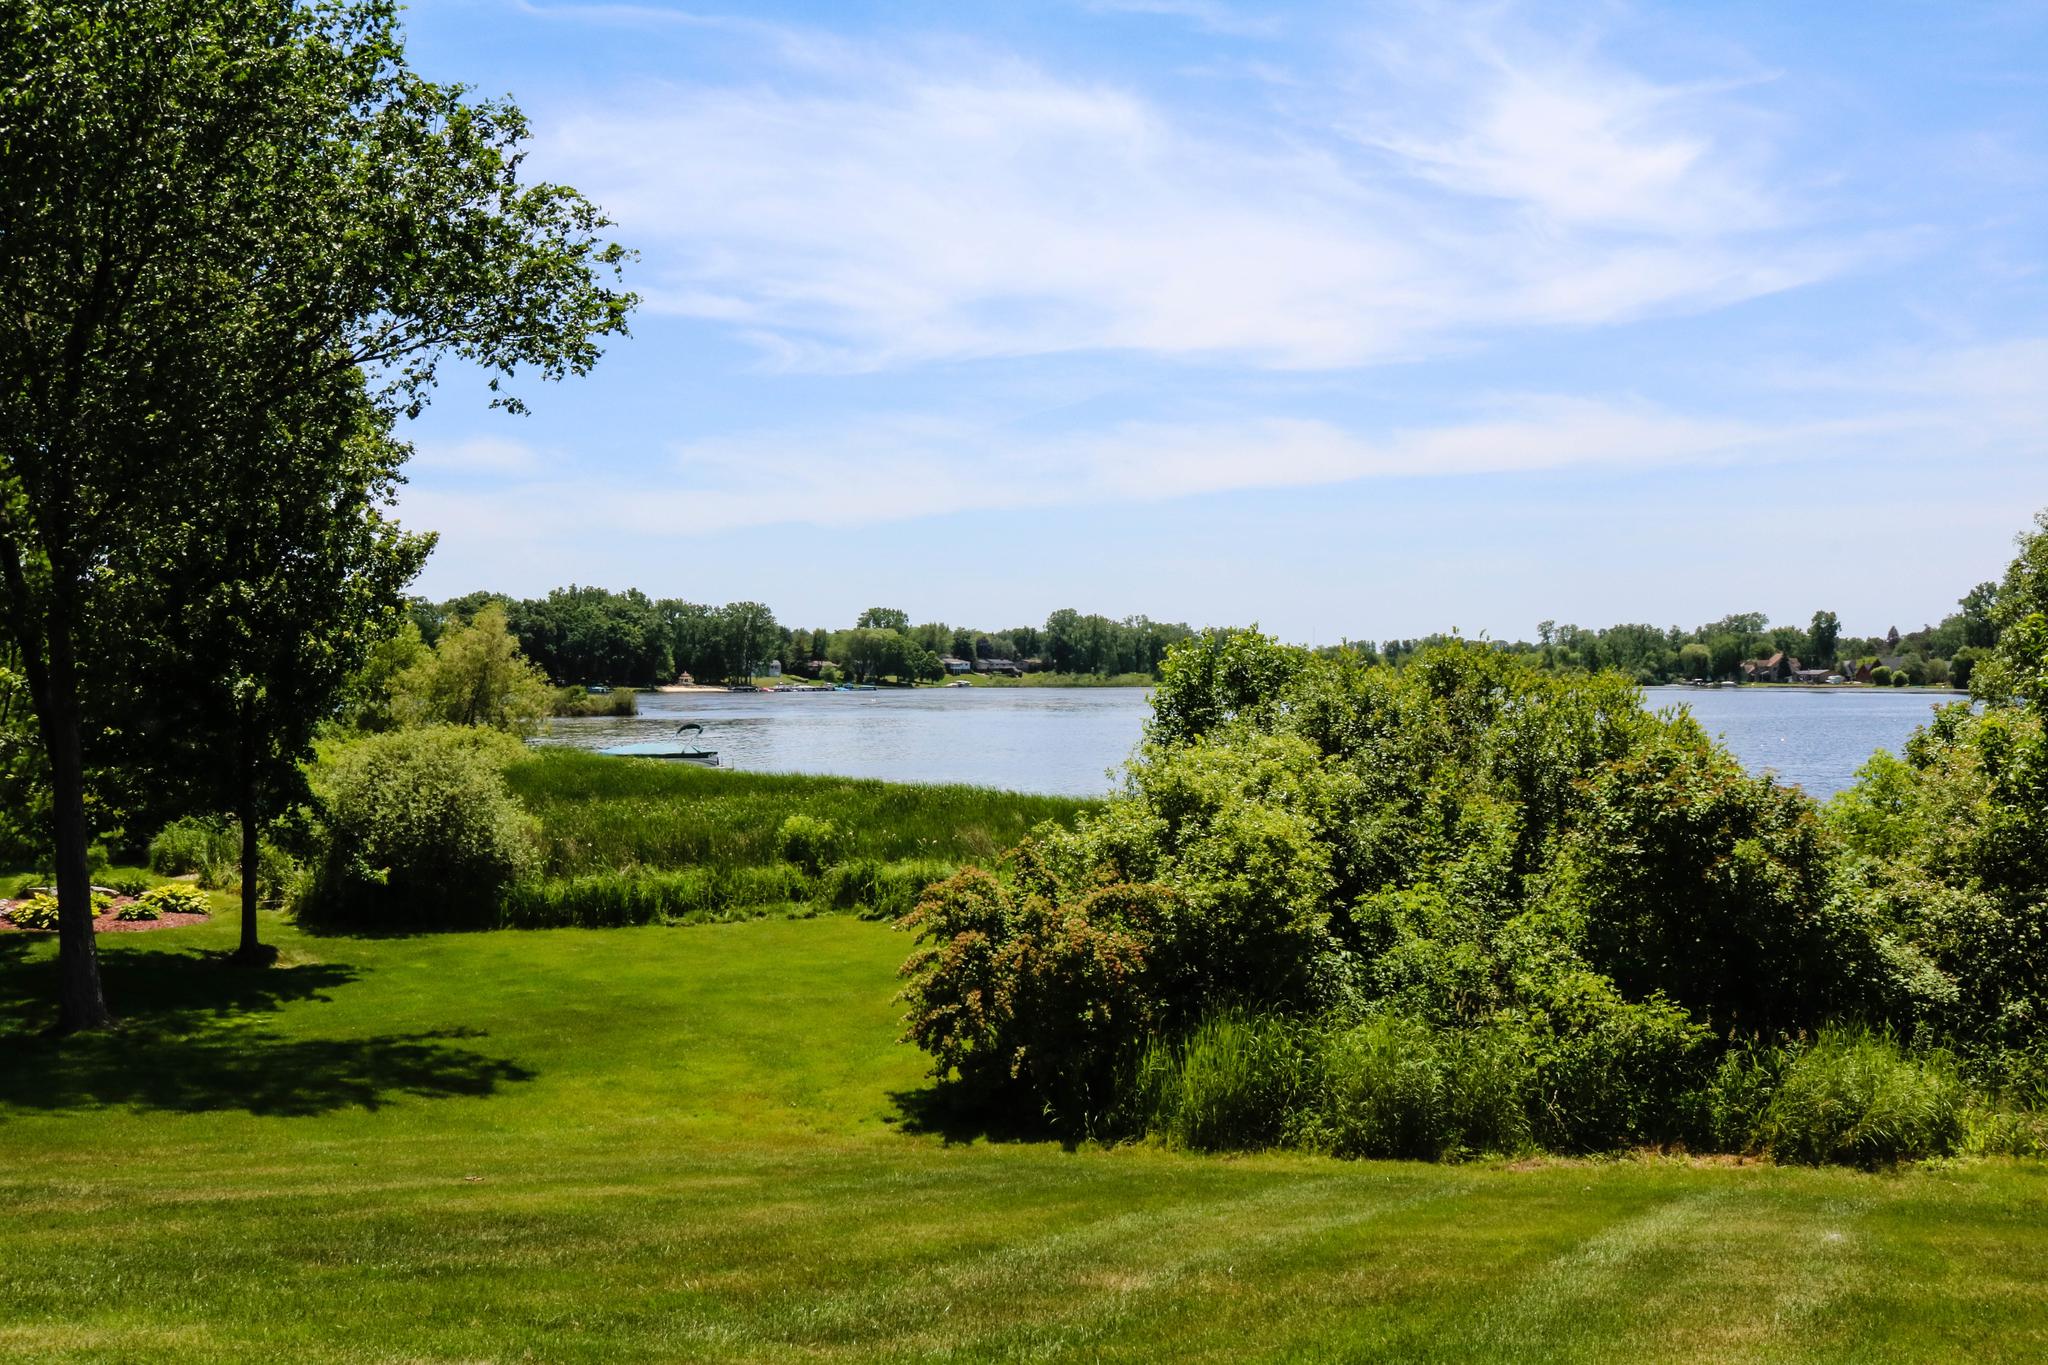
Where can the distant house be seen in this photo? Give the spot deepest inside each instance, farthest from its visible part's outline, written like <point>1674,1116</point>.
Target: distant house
<point>1861,673</point>
<point>1005,668</point>
<point>813,668</point>
<point>1780,667</point>
<point>1813,675</point>
<point>953,665</point>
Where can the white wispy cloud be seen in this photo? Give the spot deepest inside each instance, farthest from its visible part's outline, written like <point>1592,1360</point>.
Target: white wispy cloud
<point>1210,16</point>
<point>893,468</point>
<point>496,455</point>
<point>868,208</point>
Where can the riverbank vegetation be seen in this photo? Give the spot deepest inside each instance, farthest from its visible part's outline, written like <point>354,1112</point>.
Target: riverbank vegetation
<point>1473,905</point>
<point>448,827</point>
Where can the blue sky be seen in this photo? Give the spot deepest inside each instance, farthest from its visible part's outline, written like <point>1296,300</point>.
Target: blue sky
<point>1354,320</point>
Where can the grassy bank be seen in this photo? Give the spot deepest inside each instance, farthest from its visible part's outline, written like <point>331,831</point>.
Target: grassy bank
<point>704,1144</point>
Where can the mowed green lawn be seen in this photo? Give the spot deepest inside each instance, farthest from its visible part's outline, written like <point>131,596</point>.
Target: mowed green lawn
<point>694,1143</point>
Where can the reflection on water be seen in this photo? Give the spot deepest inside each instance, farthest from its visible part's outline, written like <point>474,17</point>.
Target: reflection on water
<point>1070,739</point>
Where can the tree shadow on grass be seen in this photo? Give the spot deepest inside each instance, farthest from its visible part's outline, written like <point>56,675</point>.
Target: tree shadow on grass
<point>165,990</point>
<point>192,1038</point>
<point>960,1114</point>
<point>247,1068</point>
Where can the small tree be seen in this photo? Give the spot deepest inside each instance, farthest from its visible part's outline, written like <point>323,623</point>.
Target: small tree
<point>475,676</point>
<point>1824,636</point>
<point>277,603</point>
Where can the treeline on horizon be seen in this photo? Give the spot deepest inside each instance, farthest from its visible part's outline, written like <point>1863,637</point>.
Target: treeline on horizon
<point>587,635</point>
<point>590,635</point>
<point>1934,655</point>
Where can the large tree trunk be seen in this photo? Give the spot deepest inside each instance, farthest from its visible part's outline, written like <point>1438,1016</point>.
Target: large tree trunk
<point>81,1005</point>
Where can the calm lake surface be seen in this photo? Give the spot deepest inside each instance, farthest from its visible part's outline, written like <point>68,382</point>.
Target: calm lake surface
<point>1069,740</point>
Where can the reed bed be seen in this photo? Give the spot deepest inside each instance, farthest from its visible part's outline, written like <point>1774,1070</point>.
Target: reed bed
<point>599,813</point>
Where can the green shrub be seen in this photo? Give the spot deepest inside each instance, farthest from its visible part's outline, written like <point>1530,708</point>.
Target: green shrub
<point>1689,878</point>
<point>2008,1115</point>
<point>877,889</point>
<point>211,846</point>
<point>37,912</point>
<point>129,885</point>
<point>1036,997</point>
<point>102,901</point>
<point>1398,1087</point>
<point>1881,676</point>
<point>1949,853</point>
<point>137,911</point>
<point>173,898</point>
<point>1900,677</point>
<point>1233,1084</point>
<point>206,844</point>
<point>421,830</point>
<point>1856,1097</point>
<point>277,873</point>
<point>1609,1072</point>
<point>811,843</point>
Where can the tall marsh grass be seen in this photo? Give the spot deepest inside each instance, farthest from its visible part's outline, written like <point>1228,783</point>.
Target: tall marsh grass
<point>1856,1097</point>
<point>600,813</point>
<point>1383,1087</point>
<point>710,893</point>
<point>1230,1085</point>
<point>1396,1087</point>
<point>1391,1086</point>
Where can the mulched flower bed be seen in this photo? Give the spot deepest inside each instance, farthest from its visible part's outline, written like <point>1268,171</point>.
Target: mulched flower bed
<point>105,924</point>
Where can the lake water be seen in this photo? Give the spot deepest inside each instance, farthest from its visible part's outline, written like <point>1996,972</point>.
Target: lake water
<point>1816,737</point>
<point>1063,740</point>
<point>1070,739</point>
